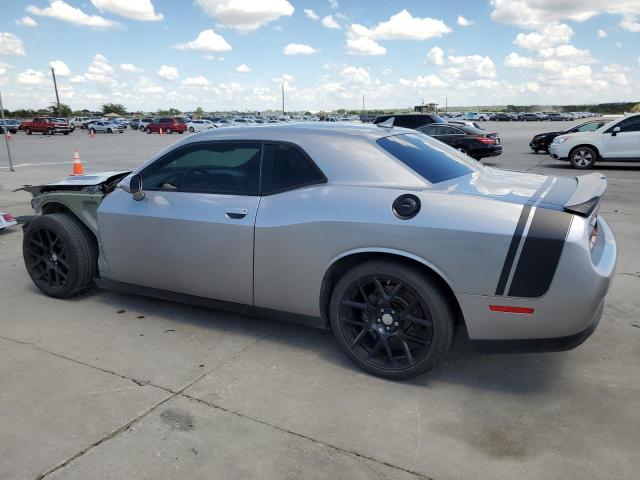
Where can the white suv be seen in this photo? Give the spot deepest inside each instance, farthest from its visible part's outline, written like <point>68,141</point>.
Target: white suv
<point>618,141</point>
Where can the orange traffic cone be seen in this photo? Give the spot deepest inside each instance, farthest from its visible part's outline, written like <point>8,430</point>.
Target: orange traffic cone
<point>77,164</point>
<point>91,134</point>
<point>161,132</point>
<point>9,136</point>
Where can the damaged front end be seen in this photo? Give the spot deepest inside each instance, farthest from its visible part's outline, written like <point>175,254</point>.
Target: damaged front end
<point>80,195</point>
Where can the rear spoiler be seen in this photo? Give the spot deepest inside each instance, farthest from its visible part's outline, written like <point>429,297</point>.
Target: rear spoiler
<point>587,195</point>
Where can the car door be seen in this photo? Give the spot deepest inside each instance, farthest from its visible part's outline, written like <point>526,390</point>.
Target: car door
<point>193,232</point>
<point>449,135</point>
<point>625,144</point>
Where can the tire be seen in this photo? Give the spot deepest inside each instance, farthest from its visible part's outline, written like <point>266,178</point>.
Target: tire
<point>65,133</point>
<point>148,130</point>
<point>192,130</point>
<point>49,131</point>
<point>180,132</point>
<point>583,158</point>
<point>375,336</point>
<point>27,131</point>
<point>168,131</point>
<point>109,130</point>
<point>535,150</point>
<point>48,239</point>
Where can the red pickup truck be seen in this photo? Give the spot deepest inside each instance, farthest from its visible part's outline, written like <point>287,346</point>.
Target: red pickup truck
<point>46,125</point>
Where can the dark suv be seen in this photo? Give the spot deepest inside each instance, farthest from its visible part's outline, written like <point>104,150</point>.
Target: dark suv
<point>167,125</point>
<point>411,120</point>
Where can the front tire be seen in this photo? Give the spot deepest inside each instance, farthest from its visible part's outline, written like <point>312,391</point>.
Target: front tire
<point>583,158</point>
<point>148,130</point>
<point>59,255</point>
<point>390,319</point>
<point>191,129</point>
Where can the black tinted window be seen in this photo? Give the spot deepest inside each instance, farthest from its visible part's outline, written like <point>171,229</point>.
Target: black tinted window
<point>231,168</point>
<point>630,124</point>
<point>429,130</point>
<point>284,167</point>
<point>433,162</point>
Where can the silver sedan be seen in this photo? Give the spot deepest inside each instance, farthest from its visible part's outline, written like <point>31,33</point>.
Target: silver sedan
<point>385,236</point>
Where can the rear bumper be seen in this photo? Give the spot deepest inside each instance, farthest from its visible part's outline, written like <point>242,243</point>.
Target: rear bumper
<point>564,316</point>
<point>487,152</point>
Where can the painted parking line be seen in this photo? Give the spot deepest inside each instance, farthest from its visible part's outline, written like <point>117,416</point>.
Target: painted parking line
<point>36,164</point>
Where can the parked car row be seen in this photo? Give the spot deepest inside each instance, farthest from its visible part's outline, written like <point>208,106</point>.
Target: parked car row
<point>518,116</point>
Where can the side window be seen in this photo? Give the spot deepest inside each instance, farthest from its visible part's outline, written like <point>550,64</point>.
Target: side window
<point>406,121</point>
<point>589,127</point>
<point>630,125</point>
<point>216,167</point>
<point>285,167</point>
<point>428,130</point>
<point>446,131</point>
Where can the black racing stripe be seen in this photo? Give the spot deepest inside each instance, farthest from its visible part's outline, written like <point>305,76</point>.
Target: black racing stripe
<point>540,254</point>
<point>513,248</point>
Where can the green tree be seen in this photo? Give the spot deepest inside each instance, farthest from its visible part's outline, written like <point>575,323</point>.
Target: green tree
<point>636,108</point>
<point>114,108</point>
<point>198,112</point>
<point>63,111</point>
<point>168,113</point>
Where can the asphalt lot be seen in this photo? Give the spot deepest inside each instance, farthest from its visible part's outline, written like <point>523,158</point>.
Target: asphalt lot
<point>114,386</point>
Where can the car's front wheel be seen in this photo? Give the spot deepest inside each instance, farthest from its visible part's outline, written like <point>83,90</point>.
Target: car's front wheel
<point>59,255</point>
<point>583,158</point>
<point>191,129</point>
<point>390,319</point>
<point>148,130</point>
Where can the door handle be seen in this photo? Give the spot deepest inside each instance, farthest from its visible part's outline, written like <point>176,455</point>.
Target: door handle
<point>236,213</point>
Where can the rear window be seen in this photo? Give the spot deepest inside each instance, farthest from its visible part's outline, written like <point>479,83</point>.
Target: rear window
<point>427,157</point>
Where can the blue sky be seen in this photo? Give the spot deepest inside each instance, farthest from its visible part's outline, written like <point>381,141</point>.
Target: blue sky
<point>234,54</point>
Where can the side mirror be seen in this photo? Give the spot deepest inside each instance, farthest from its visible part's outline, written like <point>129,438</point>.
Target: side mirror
<point>615,131</point>
<point>134,187</point>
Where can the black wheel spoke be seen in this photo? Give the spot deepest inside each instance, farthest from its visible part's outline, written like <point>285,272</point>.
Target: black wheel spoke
<point>359,337</point>
<point>37,243</point>
<point>358,305</point>
<point>390,355</point>
<point>394,292</point>
<point>414,339</point>
<point>63,262</point>
<point>407,351</point>
<point>380,288</point>
<point>420,321</point>
<point>374,351</point>
<point>365,297</point>
<point>352,321</point>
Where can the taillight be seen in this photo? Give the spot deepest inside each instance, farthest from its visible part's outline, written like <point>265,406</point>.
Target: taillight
<point>486,140</point>
<point>8,217</point>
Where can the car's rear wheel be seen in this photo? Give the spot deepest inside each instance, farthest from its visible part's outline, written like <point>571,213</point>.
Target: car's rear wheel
<point>191,129</point>
<point>148,130</point>
<point>169,132</point>
<point>109,130</point>
<point>49,131</point>
<point>59,255</point>
<point>583,158</point>
<point>390,319</point>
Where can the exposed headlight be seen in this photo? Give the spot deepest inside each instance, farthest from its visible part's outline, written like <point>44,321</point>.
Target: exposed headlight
<point>560,139</point>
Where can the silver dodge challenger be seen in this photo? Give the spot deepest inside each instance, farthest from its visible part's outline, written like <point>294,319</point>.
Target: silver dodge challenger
<point>384,235</point>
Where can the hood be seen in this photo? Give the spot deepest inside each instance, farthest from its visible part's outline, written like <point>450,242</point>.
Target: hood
<point>515,187</point>
<point>540,135</point>
<point>78,182</point>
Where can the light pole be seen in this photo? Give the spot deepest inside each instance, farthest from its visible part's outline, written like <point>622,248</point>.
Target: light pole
<point>4,129</point>
<point>55,86</point>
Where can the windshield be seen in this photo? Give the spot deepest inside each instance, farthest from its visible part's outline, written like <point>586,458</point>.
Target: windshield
<point>431,159</point>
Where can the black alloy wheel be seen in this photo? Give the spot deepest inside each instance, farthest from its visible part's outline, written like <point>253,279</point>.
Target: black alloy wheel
<point>59,255</point>
<point>391,320</point>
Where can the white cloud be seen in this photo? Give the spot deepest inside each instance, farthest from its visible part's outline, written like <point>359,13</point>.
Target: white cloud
<point>11,45</point>
<point>616,74</point>
<point>311,14</point>
<point>299,49</point>
<point>246,15</point>
<point>168,72</point>
<point>630,24</point>
<point>601,34</point>
<point>60,68</point>
<point>618,44</point>
<point>30,77</point>
<point>401,26</point>
<point>436,56</point>
<point>135,9</point>
<point>129,67</point>
<point>546,36</point>
<point>425,81</point>
<point>516,61</point>
<point>387,71</point>
<point>242,69</point>
<point>463,22</point>
<point>330,22</point>
<point>100,70</point>
<point>532,13</point>
<point>355,75</point>
<point>199,81</point>
<point>206,41</point>
<point>78,79</point>
<point>364,46</point>
<point>27,22</point>
<point>471,66</point>
<point>334,4</point>
<point>61,10</point>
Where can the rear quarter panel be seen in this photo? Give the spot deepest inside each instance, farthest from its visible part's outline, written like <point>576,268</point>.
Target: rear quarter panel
<point>301,233</point>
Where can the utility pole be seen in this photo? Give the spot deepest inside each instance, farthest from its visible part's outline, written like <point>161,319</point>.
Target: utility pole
<point>363,104</point>
<point>282,85</point>
<point>55,86</point>
<point>446,104</point>
<point>4,129</point>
